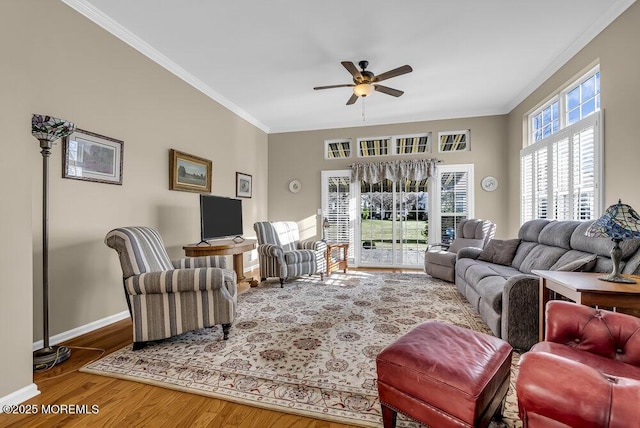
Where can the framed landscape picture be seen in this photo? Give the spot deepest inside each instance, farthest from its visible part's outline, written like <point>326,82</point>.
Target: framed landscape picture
<point>243,185</point>
<point>92,157</point>
<point>189,173</point>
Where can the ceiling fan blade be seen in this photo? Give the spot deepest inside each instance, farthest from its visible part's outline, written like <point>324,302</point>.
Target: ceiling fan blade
<point>334,86</point>
<point>352,100</point>
<point>387,90</point>
<point>393,73</point>
<point>351,68</point>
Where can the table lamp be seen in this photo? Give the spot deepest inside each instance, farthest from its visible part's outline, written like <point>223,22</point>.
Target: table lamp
<point>325,228</point>
<point>619,222</point>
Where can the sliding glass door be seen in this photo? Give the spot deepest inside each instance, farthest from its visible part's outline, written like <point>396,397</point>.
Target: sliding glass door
<point>393,223</point>
<point>389,224</point>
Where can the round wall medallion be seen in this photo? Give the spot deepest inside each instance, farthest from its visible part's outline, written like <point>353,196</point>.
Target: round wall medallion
<point>489,183</point>
<point>295,186</point>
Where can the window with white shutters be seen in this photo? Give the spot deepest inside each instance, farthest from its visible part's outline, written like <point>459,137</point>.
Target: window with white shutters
<point>456,200</point>
<point>338,208</point>
<point>560,174</point>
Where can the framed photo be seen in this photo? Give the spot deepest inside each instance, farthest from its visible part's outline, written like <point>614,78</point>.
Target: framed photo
<point>92,157</point>
<point>243,185</point>
<point>189,173</point>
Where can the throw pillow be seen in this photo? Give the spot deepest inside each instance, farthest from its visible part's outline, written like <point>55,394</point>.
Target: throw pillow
<point>500,251</point>
<point>584,264</point>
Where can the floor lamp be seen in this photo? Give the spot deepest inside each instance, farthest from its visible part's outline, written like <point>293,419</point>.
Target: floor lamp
<point>47,129</point>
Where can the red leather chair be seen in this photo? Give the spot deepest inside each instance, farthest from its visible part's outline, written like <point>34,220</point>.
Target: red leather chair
<point>585,374</point>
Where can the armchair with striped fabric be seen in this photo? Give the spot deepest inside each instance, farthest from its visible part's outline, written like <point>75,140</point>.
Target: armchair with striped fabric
<point>166,297</point>
<point>282,254</point>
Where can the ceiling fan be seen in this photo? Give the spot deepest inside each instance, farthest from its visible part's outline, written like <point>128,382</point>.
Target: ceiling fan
<point>365,82</point>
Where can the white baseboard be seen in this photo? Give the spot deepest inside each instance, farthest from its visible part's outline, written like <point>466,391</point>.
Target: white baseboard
<point>79,331</point>
<point>19,396</point>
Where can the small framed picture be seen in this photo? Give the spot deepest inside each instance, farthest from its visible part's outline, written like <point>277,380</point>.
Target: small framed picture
<point>189,173</point>
<point>92,157</point>
<point>243,185</point>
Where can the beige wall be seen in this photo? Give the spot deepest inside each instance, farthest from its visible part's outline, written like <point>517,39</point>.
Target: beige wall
<point>300,155</point>
<point>54,61</point>
<point>618,52</point>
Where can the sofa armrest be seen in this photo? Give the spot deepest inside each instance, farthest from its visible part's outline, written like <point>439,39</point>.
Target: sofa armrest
<point>520,314</point>
<point>469,253</point>
<point>546,390</point>
<point>177,281</point>
<point>312,244</point>
<point>271,250</point>
<point>198,262</point>
<point>442,246</point>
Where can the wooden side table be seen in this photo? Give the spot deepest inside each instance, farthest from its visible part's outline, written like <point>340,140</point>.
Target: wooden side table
<point>340,262</point>
<point>585,288</point>
<point>224,248</point>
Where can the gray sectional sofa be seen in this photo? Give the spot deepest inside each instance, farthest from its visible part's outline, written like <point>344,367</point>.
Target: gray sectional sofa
<point>507,295</point>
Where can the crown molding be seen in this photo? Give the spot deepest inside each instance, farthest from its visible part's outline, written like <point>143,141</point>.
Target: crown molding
<point>105,22</point>
<point>587,36</point>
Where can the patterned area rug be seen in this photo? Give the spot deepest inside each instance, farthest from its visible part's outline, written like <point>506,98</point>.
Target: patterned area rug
<point>307,349</point>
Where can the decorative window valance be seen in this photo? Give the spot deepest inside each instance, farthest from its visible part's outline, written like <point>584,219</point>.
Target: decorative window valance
<point>375,172</point>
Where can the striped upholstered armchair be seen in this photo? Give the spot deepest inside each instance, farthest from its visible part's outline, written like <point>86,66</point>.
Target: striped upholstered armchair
<point>282,254</point>
<point>165,297</point>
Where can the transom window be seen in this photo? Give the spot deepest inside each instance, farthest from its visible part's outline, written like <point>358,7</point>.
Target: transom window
<point>412,144</point>
<point>337,149</point>
<point>578,100</point>
<point>453,141</point>
<point>370,147</point>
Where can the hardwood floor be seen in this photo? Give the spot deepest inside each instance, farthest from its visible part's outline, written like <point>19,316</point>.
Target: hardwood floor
<point>132,404</point>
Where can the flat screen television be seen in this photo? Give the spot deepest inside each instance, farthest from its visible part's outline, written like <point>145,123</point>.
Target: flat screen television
<point>220,217</point>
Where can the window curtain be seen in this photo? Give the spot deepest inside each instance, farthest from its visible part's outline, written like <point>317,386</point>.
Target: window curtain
<point>375,172</point>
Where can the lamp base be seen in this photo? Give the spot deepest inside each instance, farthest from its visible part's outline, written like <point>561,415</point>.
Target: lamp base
<point>617,278</point>
<point>46,358</point>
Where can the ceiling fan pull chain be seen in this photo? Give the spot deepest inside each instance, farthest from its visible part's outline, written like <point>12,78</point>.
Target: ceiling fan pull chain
<point>363,116</point>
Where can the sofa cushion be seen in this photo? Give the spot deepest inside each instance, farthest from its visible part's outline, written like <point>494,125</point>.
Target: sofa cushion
<point>558,233</point>
<point>530,230</point>
<point>541,257</point>
<point>500,251</point>
<point>490,290</point>
<point>584,264</point>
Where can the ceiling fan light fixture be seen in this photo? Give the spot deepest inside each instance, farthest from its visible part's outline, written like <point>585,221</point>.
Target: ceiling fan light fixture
<point>363,89</point>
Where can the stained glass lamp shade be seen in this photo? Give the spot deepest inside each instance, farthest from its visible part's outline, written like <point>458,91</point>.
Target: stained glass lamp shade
<point>619,222</point>
<point>47,129</point>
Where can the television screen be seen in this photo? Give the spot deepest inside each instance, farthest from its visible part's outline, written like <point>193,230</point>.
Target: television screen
<point>220,217</point>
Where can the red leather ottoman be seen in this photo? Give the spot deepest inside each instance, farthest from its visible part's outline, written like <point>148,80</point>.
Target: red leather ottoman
<point>444,376</point>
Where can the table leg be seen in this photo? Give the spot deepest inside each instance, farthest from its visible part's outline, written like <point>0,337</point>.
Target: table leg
<point>238,266</point>
<point>345,251</point>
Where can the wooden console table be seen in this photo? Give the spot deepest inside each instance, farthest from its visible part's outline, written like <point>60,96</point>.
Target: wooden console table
<point>585,288</point>
<point>339,263</point>
<point>224,248</point>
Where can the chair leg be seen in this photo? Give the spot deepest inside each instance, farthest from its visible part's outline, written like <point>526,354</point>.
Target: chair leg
<point>263,279</point>
<point>321,276</point>
<point>388,416</point>
<point>282,282</point>
<point>139,345</point>
<point>225,331</point>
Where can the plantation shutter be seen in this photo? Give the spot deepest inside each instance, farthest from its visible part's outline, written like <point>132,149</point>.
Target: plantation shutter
<point>337,207</point>
<point>455,198</point>
<point>562,169</point>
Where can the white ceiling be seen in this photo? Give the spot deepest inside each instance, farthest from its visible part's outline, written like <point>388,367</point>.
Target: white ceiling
<point>261,59</point>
